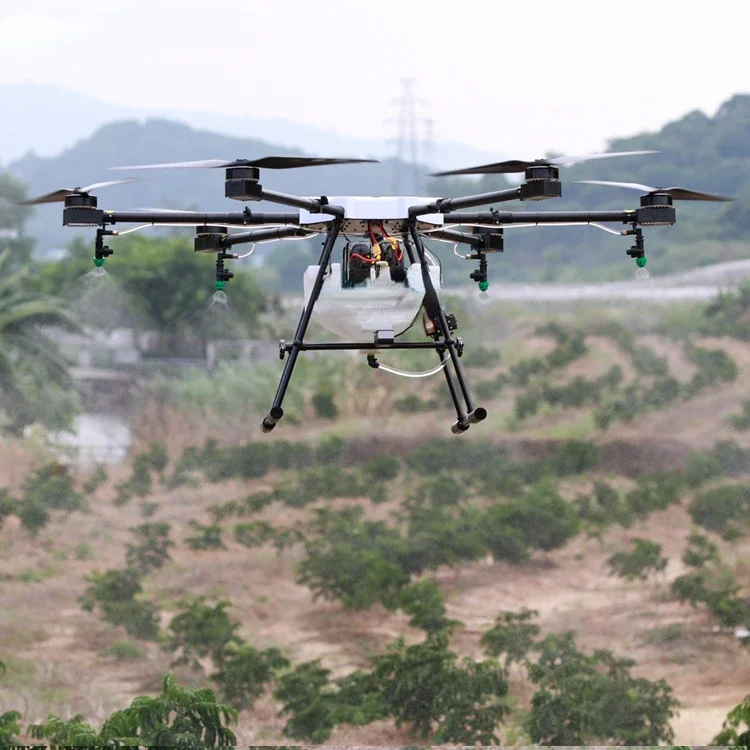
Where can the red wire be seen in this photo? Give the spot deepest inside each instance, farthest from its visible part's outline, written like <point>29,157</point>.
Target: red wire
<point>398,252</point>
<point>362,257</point>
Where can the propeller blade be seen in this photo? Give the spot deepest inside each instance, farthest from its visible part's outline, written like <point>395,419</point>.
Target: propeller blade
<point>518,165</point>
<point>677,193</point>
<point>266,162</point>
<point>57,196</point>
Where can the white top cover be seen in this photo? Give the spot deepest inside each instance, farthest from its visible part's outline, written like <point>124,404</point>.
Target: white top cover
<point>355,314</point>
<point>373,208</point>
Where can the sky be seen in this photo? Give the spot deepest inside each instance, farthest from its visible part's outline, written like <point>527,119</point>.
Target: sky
<point>522,79</point>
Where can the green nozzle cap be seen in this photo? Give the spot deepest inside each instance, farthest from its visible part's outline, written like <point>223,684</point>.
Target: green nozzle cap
<point>219,285</point>
<point>640,262</point>
<point>98,262</point>
<point>484,286</point>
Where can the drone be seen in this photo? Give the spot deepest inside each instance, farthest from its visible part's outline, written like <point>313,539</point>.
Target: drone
<point>386,276</point>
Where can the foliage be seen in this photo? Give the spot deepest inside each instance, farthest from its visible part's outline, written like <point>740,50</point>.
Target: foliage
<point>513,635</point>
<point>117,594</point>
<point>95,480</point>
<point>51,485</point>
<point>423,601</point>
<point>178,718</point>
<point>245,673</point>
<point>602,508</point>
<point>324,404</point>
<point>35,380</point>
<point>594,700</point>
<point>9,728</point>
<point>641,561</point>
<point>200,630</point>
<point>207,536</point>
<point>152,549</point>
<point>700,551</point>
<point>724,510</point>
<point>426,688</point>
<point>123,649</point>
<point>381,468</point>
<point>732,734</point>
<point>654,492</point>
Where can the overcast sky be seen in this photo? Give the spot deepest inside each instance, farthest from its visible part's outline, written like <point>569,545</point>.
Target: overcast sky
<point>519,78</point>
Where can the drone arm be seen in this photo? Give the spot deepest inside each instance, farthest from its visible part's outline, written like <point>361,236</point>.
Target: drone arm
<point>441,205</point>
<point>268,233</point>
<point>313,205</point>
<point>235,218</point>
<point>450,235</point>
<point>495,218</point>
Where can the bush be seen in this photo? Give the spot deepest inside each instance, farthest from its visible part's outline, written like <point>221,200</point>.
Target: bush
<point>700,551</point>
<point>732,734</point>
<point>741,421</point>
<point>254,534</point>
<point>206,536</point>
<point>124,650</point>
<point>330,449</point>
<point>413,404</point>
<point>513,635</point>
<point>117,595</point>
<point>324,405</point>
<point>640,562</point>
<point>382,468</point>
<point>200,630</point>
<point>151,551</point>
<point>701,468</point>
<point>95,480</point>
<point>423,601</point>
<point>439,491</point>
<point>594,700</point>
<point>481,356</point>
<point>725,510</point>
<point>52,487</point>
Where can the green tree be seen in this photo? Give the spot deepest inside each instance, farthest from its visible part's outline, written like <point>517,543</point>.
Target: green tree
<point>178,718</point>
<point>166,284</point>
<point>642,560</point>
<point>732,734</point>
<point>13,218</point>
<point>152,548</point>
<point>594,700</point>
<point>200,630</point>
<point>35,380</point>
<point>118,595</point>
<point>513,635</point>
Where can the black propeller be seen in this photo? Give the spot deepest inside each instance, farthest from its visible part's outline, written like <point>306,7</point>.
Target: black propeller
<point>518,165</point>
<point>677,193</point>
<point>267,162</point>
<point>58,196</point>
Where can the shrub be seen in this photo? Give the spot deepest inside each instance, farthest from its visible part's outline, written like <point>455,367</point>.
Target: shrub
<point>725,510</point>
<point>439,491</point>
<point>701,468</point>
<point>117,595</point>
<point>245,673</point>
<point>481,356</point>
<point>33,515</point>
<point>732,457</point>
<point>513,635</point>
<point>9,728</point>
<point>206,536</point>
<point>152,548</point>
<point>124,650</point>
<point>200,630</point>
<point>741,421</point>
<point>700,551</point>
<point>732,734</point>
<point>254,534</point>
<point>95,480</point>
<point>330,449</point>
<point>413,404</point>
<point>640,562</point>
<point>382,468</point>
<point>717,589</point>
<point>324,405</point>
<point>423,601</point>
<point>594,700</point>
<point>52,487</point>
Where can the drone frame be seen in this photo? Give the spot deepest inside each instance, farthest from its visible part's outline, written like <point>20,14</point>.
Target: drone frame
<point>487,227</point>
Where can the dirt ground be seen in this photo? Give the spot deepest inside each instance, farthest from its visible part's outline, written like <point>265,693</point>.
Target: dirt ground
<point>55,651</point>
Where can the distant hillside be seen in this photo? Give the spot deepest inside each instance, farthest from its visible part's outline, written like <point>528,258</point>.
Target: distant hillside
<point>27,109</point>
<point>132,142</point>
<point>696,151</point>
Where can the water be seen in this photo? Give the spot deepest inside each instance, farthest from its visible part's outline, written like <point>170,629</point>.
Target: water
<point>101,301</point>
<point>641,274</point>
<point>218,318</point>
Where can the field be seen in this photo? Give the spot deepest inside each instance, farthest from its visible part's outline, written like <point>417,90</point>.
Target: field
<point>63,660</point>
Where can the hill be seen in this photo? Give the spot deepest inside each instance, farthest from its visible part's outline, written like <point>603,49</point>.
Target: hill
<point>25,110</point>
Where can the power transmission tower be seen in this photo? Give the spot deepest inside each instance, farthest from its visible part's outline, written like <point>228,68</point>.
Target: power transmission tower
<point>406,169</point>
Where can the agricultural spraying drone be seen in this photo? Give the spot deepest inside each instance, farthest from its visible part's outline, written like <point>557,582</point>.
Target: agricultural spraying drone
<point>386,276</point>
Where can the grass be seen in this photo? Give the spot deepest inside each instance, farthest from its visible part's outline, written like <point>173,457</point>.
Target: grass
<point>31,575</point>
<point>122,650</point>
<point>665,634</point>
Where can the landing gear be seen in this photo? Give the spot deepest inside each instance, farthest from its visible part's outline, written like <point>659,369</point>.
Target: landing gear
<point>438,325</point>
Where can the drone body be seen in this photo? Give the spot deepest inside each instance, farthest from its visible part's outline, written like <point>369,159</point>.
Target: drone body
<point>386,276</point>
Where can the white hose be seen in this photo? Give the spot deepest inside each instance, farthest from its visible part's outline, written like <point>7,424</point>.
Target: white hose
<point>405,374</point>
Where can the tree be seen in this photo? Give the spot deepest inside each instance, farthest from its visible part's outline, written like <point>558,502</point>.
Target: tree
<point>117,594</point>
<point>35,380</point>
<point>593,700</point>
<point>513,635</point>
<point>179,718</point>
<point>152,550</point>
<point>640,562</point>
<point>13,218</point>
<point>201,630</point>
<point>166,285</point>
<point>731,734</point>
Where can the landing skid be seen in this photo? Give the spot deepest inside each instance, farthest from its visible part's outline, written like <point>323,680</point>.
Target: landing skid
<point>447,347</point>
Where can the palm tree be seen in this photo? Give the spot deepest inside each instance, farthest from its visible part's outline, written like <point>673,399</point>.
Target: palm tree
<point>32,367</point>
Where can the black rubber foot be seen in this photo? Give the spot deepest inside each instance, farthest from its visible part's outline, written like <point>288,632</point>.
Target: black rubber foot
<point>477,415</point>
<point>267,426</point>
<point>458,427</point>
